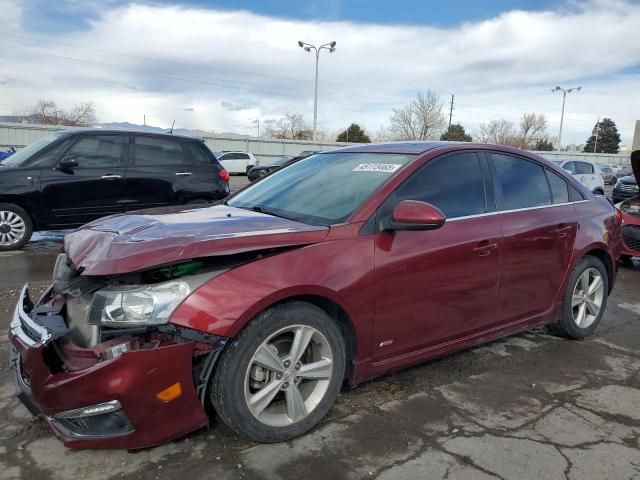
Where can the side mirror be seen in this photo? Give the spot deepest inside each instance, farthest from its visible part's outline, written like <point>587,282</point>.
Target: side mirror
<point>415,215</point>
<point>67,163</point>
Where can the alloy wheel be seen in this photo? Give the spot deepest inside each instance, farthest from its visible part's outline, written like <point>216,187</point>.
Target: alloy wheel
<point>288,375</point>
<point>12,228</point>
<point>586,301</point>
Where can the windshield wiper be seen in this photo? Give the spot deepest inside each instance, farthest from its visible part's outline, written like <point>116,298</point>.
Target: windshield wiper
<point>263,209</point>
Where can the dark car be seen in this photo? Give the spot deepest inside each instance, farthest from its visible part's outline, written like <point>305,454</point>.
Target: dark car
<point>626,186</point>
<point>263,170</point>
<point>630,209</point>
<point>343,266</point>
<point>608,175</point>
<point>73,177</point>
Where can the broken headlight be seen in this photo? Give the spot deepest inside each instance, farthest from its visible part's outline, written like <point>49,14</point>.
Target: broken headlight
<point>137,305</point>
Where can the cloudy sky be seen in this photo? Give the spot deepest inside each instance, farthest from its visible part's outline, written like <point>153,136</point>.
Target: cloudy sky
<point>220,65</point>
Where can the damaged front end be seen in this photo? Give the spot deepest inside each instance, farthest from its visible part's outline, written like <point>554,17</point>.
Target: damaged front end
<point>99,359</point>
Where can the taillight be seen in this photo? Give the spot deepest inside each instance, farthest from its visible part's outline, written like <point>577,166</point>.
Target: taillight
<point>224,175</point>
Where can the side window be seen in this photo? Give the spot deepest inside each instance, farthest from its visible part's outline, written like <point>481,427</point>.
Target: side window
<point>522,182</point>
<point>99,151</point>
<point>452,183</point>
<point>583,168</point>
<point>50,156</point>
<point>571,166</point>
<point>559,188</point>
<point>199,153</point>
<point>151,152</point>
<point>574,194</point>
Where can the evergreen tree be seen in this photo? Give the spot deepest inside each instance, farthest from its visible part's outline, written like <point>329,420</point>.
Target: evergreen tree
<point>608,138</point>
<point>353,134</point>
<point>456,133</point>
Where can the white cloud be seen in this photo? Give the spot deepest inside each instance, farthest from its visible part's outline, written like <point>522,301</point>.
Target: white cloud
<point>500,67</point>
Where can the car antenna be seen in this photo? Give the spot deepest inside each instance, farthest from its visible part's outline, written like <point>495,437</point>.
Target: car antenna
<point>171,131</point>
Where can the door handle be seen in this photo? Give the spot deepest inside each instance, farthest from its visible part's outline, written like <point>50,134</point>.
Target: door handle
<point>183,174</point>
<point>484,248</point>
<point>110,177</point>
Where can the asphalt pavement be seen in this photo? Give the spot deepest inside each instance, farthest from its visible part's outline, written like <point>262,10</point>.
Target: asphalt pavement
<point>532,406</point>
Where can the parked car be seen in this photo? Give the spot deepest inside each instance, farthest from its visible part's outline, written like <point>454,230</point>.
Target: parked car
<point>73,177</point>
<point>343,266</point>
<point>238,162</point>
<point>630,209</point>
<point>7,153</point>
<point>626,186</point>
<point>587,173</point>
<point>263,170</point>
<point>608,175</point>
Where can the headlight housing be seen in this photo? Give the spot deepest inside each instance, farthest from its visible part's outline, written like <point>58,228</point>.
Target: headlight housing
<point>130,306</point>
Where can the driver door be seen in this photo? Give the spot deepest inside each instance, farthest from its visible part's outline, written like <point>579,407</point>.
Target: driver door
<point>435,286</point>
<point>91,190</point>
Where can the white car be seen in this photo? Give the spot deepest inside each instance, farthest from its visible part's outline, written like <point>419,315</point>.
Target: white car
<point>585,172</point>
<point>237,162</point>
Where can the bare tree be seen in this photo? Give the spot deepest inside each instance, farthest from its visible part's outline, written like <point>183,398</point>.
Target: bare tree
<point>421,119</point>
<point>292,126</point>
<point>533,127</point>
<point>46,112</point>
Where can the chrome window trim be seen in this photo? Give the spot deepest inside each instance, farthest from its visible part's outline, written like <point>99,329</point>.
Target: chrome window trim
<point>20,317</point>
<point>479,215</point>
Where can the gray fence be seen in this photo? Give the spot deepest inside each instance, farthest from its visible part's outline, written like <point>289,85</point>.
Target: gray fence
<point>19,135</point>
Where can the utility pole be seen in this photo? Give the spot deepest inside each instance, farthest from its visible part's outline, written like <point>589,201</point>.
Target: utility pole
<point>564,98</point>
<point>307,47</point>
<point>595,145</point>
<point>451,109</point>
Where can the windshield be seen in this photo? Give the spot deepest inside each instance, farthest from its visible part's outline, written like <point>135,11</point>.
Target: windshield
<point>322,189</point>
<point>22,157</point>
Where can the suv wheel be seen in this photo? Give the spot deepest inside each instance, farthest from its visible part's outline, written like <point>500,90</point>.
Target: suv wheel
<point>279,377</point>
<point>16,227</point>
<point>585,299</point>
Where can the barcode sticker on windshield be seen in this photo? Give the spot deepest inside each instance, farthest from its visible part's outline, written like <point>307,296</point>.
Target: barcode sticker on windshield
<point>377,167</point>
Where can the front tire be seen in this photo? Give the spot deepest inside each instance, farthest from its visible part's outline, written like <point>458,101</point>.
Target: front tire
<point>278,378</point>
<point>585,299</point>
<point>16,227</point>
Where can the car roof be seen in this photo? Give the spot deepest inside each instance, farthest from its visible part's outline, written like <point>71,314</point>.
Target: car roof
<point>394,147</point>
<point>138,133</point>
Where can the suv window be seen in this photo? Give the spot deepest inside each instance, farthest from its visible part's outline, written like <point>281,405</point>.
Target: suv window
<point>452,183</point>
<point>522,182</point>
<point>559,188</point>
<point>151,152</point>
<point>98,151</point>
<point>199,153</point>
<point>235,156</point>
<point>583,168</point>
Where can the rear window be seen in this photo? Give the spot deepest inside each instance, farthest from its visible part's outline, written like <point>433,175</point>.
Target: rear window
<point>149,152</point>
<point>199,153</point>
<point>522,182</point>
<point>559,188</point>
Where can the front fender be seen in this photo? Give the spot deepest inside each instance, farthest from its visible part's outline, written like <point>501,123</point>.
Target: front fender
<point>340,270</point>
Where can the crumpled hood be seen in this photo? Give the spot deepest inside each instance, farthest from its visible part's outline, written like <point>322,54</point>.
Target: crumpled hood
<point>144,239</point>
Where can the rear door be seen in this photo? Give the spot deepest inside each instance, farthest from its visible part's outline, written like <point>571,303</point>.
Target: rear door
<point>159,173</point>
<point>207,183</point>
<point>539,226</point>
<point>92,189</point>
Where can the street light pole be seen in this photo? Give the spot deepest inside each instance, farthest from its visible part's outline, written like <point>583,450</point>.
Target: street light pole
<point>307,47</point>
<point>564,98</point>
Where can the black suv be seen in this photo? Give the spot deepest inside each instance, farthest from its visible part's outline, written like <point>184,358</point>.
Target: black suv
<point>73,177</point>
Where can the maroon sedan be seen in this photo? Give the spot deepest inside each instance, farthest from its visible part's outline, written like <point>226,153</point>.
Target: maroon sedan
<point>630,210</point>
<point>343,266</point>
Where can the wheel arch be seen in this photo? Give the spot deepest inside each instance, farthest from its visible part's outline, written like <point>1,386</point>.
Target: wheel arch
<point>25,204</point>
<point>604,256</point>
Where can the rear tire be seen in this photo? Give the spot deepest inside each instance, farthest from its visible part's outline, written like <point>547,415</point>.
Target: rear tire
<point>585,299</point>
<point>270,391</point>
<point>16,227</point>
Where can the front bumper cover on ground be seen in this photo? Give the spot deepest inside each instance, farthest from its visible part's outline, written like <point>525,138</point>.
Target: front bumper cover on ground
<point>131,381</point>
